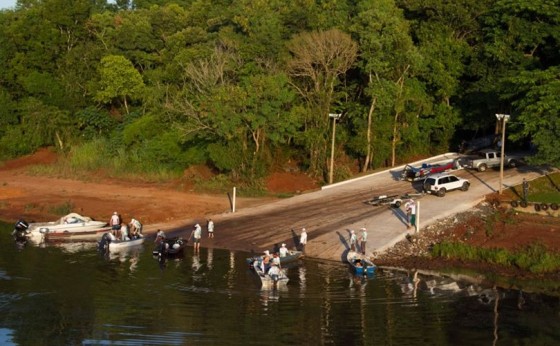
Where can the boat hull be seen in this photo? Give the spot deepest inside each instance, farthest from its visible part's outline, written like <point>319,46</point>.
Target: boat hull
<point>360,264</point>
<point>123,244</point>
<point>266,280</point>
<point>292,257</point>
<point>70,227</point>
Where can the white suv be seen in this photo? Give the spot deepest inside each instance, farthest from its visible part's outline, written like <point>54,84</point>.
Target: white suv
<point>439,184</point>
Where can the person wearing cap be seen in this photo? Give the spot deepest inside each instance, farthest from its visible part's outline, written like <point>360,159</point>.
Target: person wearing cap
<point>115,221</point>
<point>410,207</point>
<point>266,261</point>
<point>353,240</point>
<point>303,239</point>
<point>275,260</point>
<point>283,250</point>
<point>274,271</point>
<point>363,240</point>
<point>196,234</point>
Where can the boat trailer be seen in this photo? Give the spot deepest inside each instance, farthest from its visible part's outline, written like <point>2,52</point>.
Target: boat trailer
<point>395,201</point>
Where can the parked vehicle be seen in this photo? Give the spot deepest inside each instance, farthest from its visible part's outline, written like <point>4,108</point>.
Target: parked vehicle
<point>479,143</point>
<point>487,159</point>
<point>412,173</point>
<point>439,184</point>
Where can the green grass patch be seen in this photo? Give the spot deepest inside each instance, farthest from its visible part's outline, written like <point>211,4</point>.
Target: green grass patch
<point>62,209</point>
<point>535,258</point>
<point>30,206</point>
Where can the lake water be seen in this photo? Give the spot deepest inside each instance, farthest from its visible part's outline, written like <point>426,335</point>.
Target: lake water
<point>75,296</point>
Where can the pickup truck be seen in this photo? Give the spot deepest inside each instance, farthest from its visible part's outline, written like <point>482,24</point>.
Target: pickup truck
<point>488,158</point>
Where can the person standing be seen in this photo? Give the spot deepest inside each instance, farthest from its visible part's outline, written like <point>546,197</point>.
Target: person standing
<point>353,240</point>
<point>363,240</point>
<point>210,228</point>
<point>303,239</point>
<point>135,228</point>
<point>196,234</point>
<point>115,221</point>
<point>410,207</point>
<point>283,250</point>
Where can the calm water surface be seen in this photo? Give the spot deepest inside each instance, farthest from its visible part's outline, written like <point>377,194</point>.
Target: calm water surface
<point>74,296</point>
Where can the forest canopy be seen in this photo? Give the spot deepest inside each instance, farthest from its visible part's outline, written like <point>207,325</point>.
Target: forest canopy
<point>247,86</point>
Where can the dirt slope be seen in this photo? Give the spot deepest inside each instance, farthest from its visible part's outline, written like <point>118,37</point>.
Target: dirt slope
<point>37,198</point>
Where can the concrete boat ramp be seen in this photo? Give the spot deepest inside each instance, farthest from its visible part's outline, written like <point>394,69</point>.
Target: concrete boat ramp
<point>330,214</point>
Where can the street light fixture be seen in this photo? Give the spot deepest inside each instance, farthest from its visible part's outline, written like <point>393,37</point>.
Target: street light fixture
<point>335,117</point>
<point>503,118</point>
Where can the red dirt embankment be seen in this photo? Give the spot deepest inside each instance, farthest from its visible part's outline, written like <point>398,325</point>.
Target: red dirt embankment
<point>38,198</point>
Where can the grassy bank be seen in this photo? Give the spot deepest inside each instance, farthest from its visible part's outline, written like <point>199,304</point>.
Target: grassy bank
<point>535,258</point>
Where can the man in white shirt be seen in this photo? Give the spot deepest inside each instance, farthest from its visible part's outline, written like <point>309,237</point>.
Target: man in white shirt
<point>283,250</point>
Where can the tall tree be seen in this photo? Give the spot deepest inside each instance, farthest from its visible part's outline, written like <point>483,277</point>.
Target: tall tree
<point>389,59</point>
<point>119,80</point>
<point>319,61</point>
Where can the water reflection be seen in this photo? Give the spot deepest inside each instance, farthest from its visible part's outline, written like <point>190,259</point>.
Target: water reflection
<point>130,255</point>
<point>213,298</point>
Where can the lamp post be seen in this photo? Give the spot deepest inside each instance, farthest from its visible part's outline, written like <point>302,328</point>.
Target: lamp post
<point>503,118</point>
<point>334,117</point>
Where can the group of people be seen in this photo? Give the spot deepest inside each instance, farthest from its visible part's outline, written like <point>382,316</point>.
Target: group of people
<point>354,241</point>
<point>123,231</point>
<point>196,234</point>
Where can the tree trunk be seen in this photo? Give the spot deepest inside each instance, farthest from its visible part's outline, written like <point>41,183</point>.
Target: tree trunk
<point>125,105</point>
<point>368,134</point>
<point>395,140</point>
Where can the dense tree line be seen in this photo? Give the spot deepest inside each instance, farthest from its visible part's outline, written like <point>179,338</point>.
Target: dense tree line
<point>245,86</point>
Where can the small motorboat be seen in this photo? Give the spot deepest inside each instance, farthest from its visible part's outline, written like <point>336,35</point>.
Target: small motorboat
<point>361,265</point>
<point>109,242</point>
<point>70,227</point>
<point>291,257</point>
<point>268,279</point>
<point>169,247</point>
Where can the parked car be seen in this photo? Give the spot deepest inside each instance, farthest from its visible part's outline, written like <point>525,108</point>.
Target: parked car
<point>488,159</point>
<point>439,184</point>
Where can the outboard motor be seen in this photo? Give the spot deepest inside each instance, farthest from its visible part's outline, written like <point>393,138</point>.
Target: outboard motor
<point>104,242</point>
<point>20,231</point>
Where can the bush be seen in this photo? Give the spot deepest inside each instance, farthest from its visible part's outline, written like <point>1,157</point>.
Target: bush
<point>536,258</point>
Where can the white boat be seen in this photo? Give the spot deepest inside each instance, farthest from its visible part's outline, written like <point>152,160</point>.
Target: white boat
<point>122,244</point>
<point>109,243</point>
<point>268,281</point>
<point>70,227</point>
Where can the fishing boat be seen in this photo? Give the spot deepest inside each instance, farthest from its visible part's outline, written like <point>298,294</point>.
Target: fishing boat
<point>70,227</point>
<point>291,257</point>
<point>109,243</point>
<point>169,247</point>
<point>268,280</point>
<point>361,265</point>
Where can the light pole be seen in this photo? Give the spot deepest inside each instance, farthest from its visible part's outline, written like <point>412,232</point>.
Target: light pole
<point>503,118</point>
<point>334,117</point>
